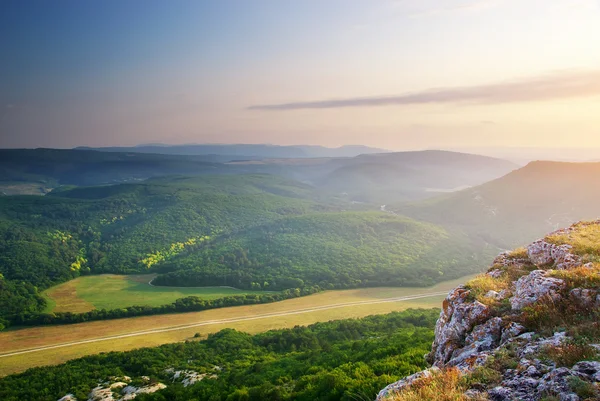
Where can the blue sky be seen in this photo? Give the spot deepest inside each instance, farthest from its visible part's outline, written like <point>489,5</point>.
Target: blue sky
<point>126,72</point>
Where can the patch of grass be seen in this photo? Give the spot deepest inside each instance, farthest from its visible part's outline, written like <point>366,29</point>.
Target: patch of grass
<point>519,253</point>
<point>483,283</point>
<point>580,277</point>
<point>112,291</point>
<point>483,376</point>
<point>444,385</point>
<point>585,390</point>
<point>547,316</point>
<point>570,352</point>
<point>585,240</point>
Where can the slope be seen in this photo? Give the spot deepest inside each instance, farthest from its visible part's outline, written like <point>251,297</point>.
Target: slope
<point>518,207</point>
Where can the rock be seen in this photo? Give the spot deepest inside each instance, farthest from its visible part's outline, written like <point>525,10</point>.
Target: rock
<point>500,394</point>
<point>458,317</point>
<point>401,384</point>
<point>188,377</point>
<point>468,332</point>
<point>542,253</point>
<point>130,392</point>
<point>101,393</point>
<point>512,330</point>
<point>585,297</point>
<point>589,368</point>
<point>529,289</point>
<point>68,397</point>
<point>495,273</point>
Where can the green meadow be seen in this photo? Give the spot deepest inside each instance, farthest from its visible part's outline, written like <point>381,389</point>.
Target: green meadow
<point>112,291</point>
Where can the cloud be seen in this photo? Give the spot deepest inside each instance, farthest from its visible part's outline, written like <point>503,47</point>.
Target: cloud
<point>541,88</point>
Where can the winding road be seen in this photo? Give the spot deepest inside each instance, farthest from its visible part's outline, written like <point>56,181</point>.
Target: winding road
<point>222,321</point>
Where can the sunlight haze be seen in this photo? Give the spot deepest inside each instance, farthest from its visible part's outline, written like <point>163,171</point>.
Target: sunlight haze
<point>125,73</point>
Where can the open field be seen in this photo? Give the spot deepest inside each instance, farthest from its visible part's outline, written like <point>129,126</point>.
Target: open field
<point>289,313</point>
<point>112,291</point>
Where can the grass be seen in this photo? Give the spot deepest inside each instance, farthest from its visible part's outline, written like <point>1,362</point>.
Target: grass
<point>34,337</point>
<point>585,240</point>
<point>570,352</point>
<point>444,385</point>
<point>111,291</point>
<point>580,277</point>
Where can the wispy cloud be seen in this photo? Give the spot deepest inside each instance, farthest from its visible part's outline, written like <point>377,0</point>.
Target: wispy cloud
<point>540,88</point>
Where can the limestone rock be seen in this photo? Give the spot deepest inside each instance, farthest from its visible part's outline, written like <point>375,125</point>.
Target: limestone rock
<point>400,385</point>
<point>458,317</point>
<point>529,289</point>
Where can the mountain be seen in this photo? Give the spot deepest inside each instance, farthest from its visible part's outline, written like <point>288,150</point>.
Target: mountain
<point>390,177</point>
<point>519,207</point>
<point>245,151</point>
<point>54,167</point>
<point>525,330</point>
<point>376,179</point>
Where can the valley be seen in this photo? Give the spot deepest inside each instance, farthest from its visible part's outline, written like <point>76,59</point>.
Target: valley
<point>131,333</point>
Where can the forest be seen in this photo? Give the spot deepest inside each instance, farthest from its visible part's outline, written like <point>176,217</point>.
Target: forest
<point>344,360</point>
<point>253,231</point>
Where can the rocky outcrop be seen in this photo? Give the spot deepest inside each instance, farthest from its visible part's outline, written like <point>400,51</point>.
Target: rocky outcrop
<point>119,389</point>
<point>536,285</point>
<point>458,317</point>
<point>471,330</point>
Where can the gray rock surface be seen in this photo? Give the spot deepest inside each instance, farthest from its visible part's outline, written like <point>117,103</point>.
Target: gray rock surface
<point>469,332</point>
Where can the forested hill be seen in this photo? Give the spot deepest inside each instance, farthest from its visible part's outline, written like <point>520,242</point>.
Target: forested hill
<point>129,227</point>
<point>250,231</point>
<point>519,207</point>
<point>332,250</point>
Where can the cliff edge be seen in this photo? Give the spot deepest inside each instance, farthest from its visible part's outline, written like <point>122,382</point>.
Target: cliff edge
<point>528,329</point>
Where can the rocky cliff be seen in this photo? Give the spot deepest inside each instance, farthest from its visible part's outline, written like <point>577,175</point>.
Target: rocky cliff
<point>528,329</point>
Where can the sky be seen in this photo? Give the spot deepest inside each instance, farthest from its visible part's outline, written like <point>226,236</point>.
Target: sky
<point>395,74</point>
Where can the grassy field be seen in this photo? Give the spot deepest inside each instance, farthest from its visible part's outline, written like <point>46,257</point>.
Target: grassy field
<point>28,338</point>
<point>111,291</point>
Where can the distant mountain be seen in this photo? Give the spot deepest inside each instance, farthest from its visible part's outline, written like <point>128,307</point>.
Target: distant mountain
<point>379,179</point>
<point>246,151</point>
<point>54,167</point>
<point>518,207</point>
<point>393,177</point>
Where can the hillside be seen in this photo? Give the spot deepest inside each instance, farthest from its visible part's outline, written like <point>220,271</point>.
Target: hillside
<point>332,250</point>
<point>253,232</point>
<point>527,329</point>
<point>129,227</point>
<point>390,177</point>
<point>518,207</point>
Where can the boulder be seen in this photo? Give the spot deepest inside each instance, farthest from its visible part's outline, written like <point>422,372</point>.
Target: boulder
<point>529,289</point>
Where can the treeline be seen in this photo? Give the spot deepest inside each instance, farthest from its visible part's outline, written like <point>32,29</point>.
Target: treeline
<point>344,360</point>
<point>187,304</point>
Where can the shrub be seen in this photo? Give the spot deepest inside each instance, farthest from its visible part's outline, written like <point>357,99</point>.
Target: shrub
<point>570,352</point>
<point>583,389</point>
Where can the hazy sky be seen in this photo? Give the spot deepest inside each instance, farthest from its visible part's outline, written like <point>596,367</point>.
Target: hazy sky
<point>399,74</point>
